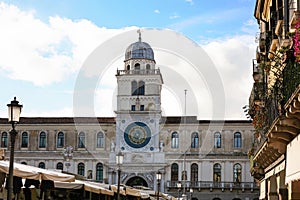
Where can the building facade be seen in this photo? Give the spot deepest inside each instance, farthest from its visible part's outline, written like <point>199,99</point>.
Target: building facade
<point>198,159</point>
<point>274,101</point>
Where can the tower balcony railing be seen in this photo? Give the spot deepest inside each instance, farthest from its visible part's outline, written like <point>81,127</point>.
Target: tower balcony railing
<point>138,72</point>
<point>211,185</point>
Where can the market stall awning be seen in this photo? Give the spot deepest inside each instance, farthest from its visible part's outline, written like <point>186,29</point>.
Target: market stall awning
<point>115,188</point>
<point>97,188</point>
<point>133,192</point>
<point>68,185</point>
<point>30,172</point>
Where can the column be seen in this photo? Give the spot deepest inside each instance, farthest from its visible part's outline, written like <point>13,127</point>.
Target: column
<point>282,188</point>
<point>272,188</point>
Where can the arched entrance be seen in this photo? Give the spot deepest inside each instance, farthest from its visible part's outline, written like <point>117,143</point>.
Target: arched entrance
<point>137,181</point>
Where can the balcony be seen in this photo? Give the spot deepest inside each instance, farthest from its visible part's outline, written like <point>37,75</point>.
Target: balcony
<point>274,100</point>
<point>210,185</point>
<point>138,72</point>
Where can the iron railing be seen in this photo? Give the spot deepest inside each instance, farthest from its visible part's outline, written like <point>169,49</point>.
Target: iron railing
<point>212,185</point>
<point>291,80</point>
<point>138,72</point>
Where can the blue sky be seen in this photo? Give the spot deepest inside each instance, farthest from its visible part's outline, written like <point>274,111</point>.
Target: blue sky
<point>44,44</point>
<point>196,18</point>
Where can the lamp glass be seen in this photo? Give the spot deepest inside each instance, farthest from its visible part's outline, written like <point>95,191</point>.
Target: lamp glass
<point>14,111</point>
<point>119,158</point>
<point>179,185</point>
<point>158,175</point>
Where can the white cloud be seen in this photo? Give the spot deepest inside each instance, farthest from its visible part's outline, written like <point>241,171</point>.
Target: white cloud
<point>43,53</point>
<point>190,2</point>
<point>156,11</point>
<point>232,57</point>
<point>62,112</point>
<point>174,16</point>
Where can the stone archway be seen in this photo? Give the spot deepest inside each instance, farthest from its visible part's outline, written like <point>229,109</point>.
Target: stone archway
<point>137,181</point>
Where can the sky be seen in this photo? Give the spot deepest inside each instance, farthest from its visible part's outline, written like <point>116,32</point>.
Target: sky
<point>45,43</point>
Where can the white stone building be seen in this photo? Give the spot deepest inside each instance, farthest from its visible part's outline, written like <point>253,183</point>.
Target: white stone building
<point>208,158</point>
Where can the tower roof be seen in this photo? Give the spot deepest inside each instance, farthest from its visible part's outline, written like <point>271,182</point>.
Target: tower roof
<point>139,50</point>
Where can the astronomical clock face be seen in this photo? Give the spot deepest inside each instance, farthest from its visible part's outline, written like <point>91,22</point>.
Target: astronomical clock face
<point>137,134</point>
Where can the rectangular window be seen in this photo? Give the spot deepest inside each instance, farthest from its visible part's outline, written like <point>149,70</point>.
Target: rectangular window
<point>132,107</point>
<point>142,108</point>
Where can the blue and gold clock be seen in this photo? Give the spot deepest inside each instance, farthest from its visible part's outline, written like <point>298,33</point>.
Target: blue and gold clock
<point>137,134</point>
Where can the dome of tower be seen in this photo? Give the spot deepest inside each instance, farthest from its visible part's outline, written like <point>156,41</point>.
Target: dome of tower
<point>140,50</point>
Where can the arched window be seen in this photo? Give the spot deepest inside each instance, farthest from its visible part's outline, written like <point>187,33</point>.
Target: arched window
<point>141,88</point>
<point>128,67</point>
<point>194,174</point>
<point>42,165</point>
<point>80,169</point>
<point>100,140</point>
<point>99,172</point>
<point>134,88</point>
<point>237,140</point>
<point>23,163</point>
<point>60,140</point>
<point>137,67</point>
<point>24,142</point>
<point>217,172</point>
<point>174,172</point>
<point>195,140</point>
<point>148,68</point>
<point>237,173</point>
<point>42,140</point>
<point>4,140</point>
<point>60,166</point>
<point>175,140</point>
<point>217,140</point>
<point>81,140</point>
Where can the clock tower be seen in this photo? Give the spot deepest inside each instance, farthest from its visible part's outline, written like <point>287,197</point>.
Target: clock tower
<point>138,100</point>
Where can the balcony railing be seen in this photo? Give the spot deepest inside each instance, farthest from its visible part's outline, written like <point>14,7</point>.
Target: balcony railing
<point>138,72</point>
<point>212,185</point>
<point>291,79</point>
<point>274,104</point>
<point>278,95</point>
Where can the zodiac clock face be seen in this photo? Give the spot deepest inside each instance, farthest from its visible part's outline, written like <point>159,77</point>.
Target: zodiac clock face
<point>137,135</point>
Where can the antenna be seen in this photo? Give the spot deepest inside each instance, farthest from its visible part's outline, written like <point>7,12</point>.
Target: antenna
<point>184,158</point>
<point>140,35</point>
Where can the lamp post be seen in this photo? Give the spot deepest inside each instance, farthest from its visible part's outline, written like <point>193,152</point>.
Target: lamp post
<point>14,111</point>
<point>191,193</point>
<point>119,161</point>
<point>68,155</point>
<point>158,178</point>
<point>179,187</point>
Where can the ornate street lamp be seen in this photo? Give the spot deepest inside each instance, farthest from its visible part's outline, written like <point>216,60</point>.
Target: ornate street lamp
<point>14,111</point>
<point>119,161</point>
<point>191,193</point>
<point>158,178</point>
<point>179,187</point>
<point>68,155</point>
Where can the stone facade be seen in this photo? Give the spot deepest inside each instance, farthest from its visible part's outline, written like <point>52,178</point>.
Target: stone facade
<point>198,159</point>
<point>143,165</point>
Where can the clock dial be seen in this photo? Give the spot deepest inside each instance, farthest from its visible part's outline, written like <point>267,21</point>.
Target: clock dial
<point>137,134</point>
